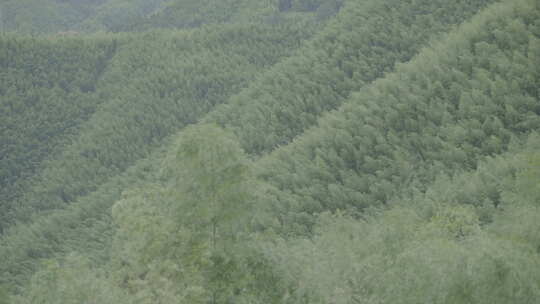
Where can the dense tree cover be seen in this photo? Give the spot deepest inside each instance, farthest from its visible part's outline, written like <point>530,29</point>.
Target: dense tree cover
<point>191,253</point>
<point>429,246</point>
<point>365,41</point>
<point>72,16</point>
<point>126,16</point>
<point>147,92</point>
<point>113,15</point>
<point>205,174</point>
<point>432,247</point>
<point>30,16</point>
<point>462,100</point>
<point>46,92</point>
<point>189,13</point>
<point>159,94</point>
<point>75,16</point>
<point>303,5</point>
<point>422,187</point>
<point>83,226</point>
<point>78,172</point>
<point>192,13</point>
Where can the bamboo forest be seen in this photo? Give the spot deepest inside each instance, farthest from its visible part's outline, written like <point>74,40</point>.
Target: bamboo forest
<point>270,151</point>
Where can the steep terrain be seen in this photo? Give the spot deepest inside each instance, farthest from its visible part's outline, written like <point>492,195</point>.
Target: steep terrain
<point>466,99</point>
<point>273,152</point>
<point>144,93</point>
<point>362,43</point>
<point>72,17</point>
<point>48,90</point>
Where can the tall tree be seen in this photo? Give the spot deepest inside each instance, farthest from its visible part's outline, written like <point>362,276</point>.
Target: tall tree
<point>210,174</point>
<point>187,231</point>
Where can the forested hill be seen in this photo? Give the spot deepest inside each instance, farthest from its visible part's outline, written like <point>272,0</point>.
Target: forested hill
<point>287,151</point>
<point>68,17</point>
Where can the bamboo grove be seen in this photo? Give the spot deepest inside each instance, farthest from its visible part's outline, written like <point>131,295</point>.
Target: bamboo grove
<point>280,151</point>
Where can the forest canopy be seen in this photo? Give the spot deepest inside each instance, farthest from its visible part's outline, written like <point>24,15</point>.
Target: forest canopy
<point>280,151</point>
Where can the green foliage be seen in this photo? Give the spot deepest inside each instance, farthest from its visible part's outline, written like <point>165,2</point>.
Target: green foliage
<point>84,226</point>
<point>207,166</point>
<point>149,94</point>
<point>73,281</point>
<point>114,15</point>
<point>457,222</point>
<point>181,239</point>
<point>364,41</point>
<point>75,17</point>
<point>37,16</point>
<point>404,255</point>
<point>4,296</point>
<point>47,91</point>
<point>124,178</point>
<point>441,113</point>
<point>146,93</point>
<point>192,13</point>
<point>528,182</point>
<point>71,17</point>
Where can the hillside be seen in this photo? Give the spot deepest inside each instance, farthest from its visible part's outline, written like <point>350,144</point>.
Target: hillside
<point>363,43</point>
<point>142,94</point>
<point>70,17</point>
<point>42,106</point>
<point>442,113</point>
<point>239,151</point>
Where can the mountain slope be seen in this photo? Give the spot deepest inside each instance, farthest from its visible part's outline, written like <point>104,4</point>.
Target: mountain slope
<point>431,247</point>
<point>160,93</point>
<point>89,162</point>
<point>362,43</point>
<point>380,181</point>
<point>145,93</point>
<point>408,244</point>
<point>69,17</point>
<point>462,100</point>
<point>48,90</point>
